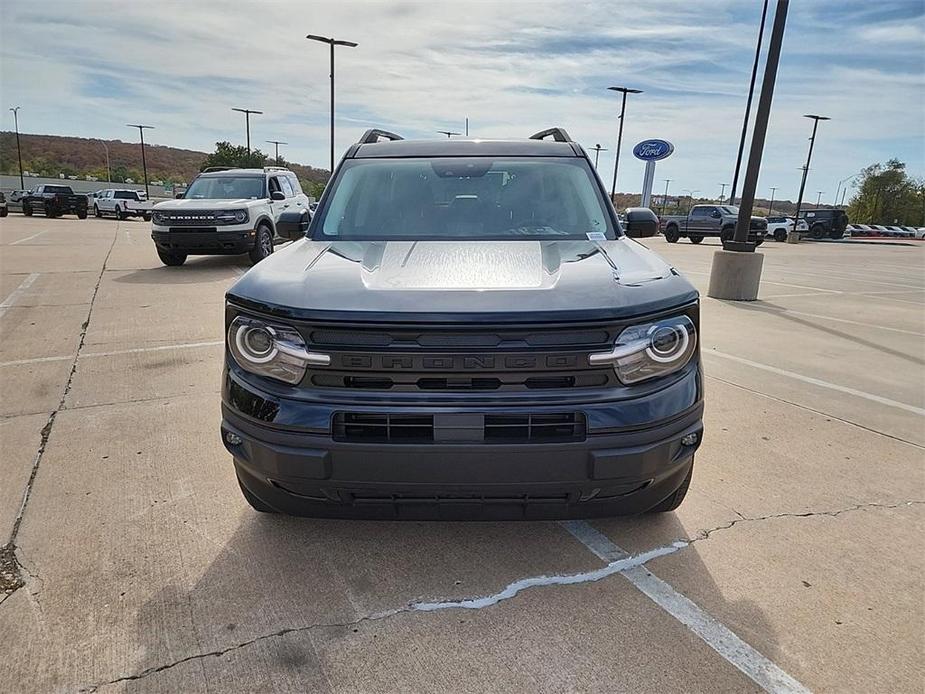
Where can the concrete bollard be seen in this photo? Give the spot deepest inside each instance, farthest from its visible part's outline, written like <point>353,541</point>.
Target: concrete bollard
<point>735,275</point>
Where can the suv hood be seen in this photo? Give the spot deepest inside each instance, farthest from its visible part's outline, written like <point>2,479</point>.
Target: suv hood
<point>203,204</point>
<point>435,280</point>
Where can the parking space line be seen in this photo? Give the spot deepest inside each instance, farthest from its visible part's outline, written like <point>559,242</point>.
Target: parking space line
<point>134,350</point>
<point>818,382</point>
<point>782,284</point>
<point>28,238</point>
<point>18,292</point>
<point>851,322</point>
<point>712,632</point>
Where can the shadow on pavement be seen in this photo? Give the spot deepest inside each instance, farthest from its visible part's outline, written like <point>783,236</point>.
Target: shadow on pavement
<point>194,271</point>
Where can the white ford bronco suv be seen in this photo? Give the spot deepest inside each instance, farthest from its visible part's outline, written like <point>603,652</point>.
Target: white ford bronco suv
<point>226,211</point>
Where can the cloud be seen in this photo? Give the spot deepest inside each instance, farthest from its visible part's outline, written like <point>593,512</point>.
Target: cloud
<point>512,67</point>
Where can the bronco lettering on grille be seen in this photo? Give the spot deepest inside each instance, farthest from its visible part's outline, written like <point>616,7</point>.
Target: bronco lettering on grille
<point>471,362</point>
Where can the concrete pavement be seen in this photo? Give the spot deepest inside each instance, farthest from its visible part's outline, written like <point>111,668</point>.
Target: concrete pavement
<point>795,561</point>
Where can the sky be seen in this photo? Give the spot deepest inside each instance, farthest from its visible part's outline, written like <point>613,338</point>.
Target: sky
<point>87,68</point>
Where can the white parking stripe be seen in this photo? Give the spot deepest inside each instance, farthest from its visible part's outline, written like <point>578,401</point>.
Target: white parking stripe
<point>817,382</point>
<point>716,635</point>
<point>135,350</point>
<point>28,238</point>
<point>18,292</point>
<point>852,322</point>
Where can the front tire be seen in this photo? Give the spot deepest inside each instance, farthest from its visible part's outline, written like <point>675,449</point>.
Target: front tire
<point>4,211</point>
<point>672,234</point>
<point>146,217</point>
<point>49,212</point>
<point>171,259</point>
<point>836,235</point>
<point>726,234</point>
<point>673,501</point>
<point>120,215</point>
<point>96,211</point>
<point>695,238</point>
<point>780,235</point>
<point>263,245</point>
<point>818,231</point>
<point>81,214</point>
<point>27,211</point>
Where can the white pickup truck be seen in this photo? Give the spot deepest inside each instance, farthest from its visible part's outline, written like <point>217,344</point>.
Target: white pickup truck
<point>122,203</point>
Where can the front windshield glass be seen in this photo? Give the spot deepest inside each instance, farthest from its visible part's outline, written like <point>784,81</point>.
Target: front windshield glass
<point>226,188</point>
<point>504,198</point>
<point>730,209</point>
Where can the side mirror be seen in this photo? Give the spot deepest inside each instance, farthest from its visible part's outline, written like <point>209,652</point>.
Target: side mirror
<point>277,195</point>
<point>641,222</point>
<point>716,214</point>
<point>179,196</point>
<point>293,225</point>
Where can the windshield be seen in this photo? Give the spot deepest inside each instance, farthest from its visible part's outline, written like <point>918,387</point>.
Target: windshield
<point>226,188</point>
<point>464,197</point>
<point>58,189</point>
<point>730,209</point>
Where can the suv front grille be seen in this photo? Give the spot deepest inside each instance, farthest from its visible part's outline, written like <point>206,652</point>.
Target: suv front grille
<point>366,427</point>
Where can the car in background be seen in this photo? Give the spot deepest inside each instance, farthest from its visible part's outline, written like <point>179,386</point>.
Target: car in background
<point>779,227</point>
<point>14,200</point>
<point>54,201</point>
<point>920,232</point>
<point>824,223</point>
<point>122,203</point>
<point>711,220</point>
<point>4,211</point>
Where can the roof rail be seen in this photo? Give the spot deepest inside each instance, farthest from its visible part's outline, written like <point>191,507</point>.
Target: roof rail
<point>275,168</point>
<point>372,135</point>
<point>210,169</point>
<point>558,134</point>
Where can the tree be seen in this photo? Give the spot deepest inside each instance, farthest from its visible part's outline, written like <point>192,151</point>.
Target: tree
<point>227,154</point>
<point>888,195</point>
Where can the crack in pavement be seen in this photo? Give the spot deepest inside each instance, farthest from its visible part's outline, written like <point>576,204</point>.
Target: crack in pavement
<point>10,545</point>
<point>618,566</point>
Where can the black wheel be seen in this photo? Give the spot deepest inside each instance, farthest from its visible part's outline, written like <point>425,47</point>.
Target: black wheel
<point>27,211</point>
<point>120,215</point>
<point>672,234</point>
<point>254,502</point>
<point>81,214</point>
<point>673,501</point>
<point>171,258</point>
<point>695,238</point>
<point>759,240</point>
<point>726,234</point>
<point>146,217</point>
<point>817,231</point>
<point>49,212</point>
<point>263,244</point>
<point>836,235</point>
<point>96,211</point>
<point>4,211</point>
<point>780,234</point>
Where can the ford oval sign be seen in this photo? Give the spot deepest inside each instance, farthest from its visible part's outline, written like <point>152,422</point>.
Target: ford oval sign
<point>653,150</point>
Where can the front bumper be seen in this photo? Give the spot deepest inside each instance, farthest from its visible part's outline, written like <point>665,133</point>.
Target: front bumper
<point>614,470</point>
<point>212,242</point>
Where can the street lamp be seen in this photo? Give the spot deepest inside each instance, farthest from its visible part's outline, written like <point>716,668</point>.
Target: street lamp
<point>795,237</point>
<point>819,197</point>
<point>448,133</point>
<point>597,153</point>
<point>247,123</point>
<point>277,143</point>
<point>144,164</point>
<point>722,192</point>
<point>690,198</point>
<point>771,204</point>
<point>616,163</point>
<point>332,42</point>
<point>15,111</point>
<point>665,196</point>
<point>108,168</point>
<point>748,106</point>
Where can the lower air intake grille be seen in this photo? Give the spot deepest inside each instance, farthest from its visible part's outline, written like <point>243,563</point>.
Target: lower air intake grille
<point>366,427</point>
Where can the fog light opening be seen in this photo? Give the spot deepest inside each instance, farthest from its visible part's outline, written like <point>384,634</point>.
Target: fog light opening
<point>233,439</point>
<point>690,439</point>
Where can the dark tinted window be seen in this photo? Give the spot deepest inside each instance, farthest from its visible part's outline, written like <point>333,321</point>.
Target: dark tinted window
<point>701,212</point>
<point>126,195</point>
<point>464,197</point>
<point>58,189</point>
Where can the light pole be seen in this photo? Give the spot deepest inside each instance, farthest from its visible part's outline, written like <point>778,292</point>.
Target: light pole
<point>332,42</point>
<point>448,133</point>
<point>15,111</point>
<point>795,237</point>
<point>841,183</point>
<point>690,198</point>
<point>819,197</point>
<point>748,106</point>
<point>247,123</point>
<point>144,163</point>
<point>277,143</point>
<point>616,163</point>
<point>108,168</point>
<point>597,153</point>
<point>771,204</point>
<point>665,196</point>
<point>467,126</point>
<point>722,192</point>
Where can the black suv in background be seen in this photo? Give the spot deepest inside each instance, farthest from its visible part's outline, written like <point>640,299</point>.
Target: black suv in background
<point>463,330</point>
<point>825,223</point>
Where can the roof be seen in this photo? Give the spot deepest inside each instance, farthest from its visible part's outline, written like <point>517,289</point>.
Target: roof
<point>462,147</point>
<point>246,172</point>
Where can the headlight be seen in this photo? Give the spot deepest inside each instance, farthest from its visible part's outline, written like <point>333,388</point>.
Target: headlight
<point>651,350</point>
<point>231,216</point>
<point>159,217</point>
<point>272,350</point>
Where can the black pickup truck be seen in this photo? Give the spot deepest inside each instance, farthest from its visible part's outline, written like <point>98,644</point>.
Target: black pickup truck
<point>54,201</point>
<point>464,329</point>
<point>711,220</point>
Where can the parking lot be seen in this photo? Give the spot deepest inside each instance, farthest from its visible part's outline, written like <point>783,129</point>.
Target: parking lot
<point>792,564</point>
